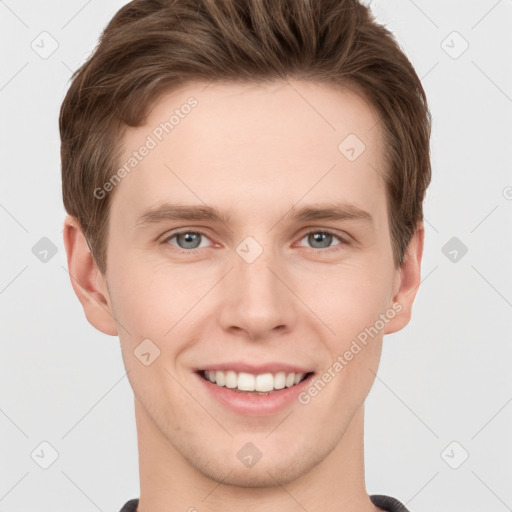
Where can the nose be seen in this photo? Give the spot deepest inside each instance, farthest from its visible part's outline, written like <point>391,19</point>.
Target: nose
<point>257,298</point>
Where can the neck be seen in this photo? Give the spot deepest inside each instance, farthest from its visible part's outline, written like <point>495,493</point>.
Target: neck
<point>169,482</point>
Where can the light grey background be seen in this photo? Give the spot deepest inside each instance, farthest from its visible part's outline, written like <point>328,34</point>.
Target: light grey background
<point>444,379</point>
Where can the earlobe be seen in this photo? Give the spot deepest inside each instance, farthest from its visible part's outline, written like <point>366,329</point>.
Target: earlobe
<point>408,282</point>
<point>87,281</point>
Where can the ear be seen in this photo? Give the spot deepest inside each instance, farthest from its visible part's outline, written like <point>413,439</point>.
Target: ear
<point>407,281</point>
<point>87,281</point>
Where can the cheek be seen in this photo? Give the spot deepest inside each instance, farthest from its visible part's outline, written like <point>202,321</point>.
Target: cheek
<point>149,300</point>
<point>347,298</point>
<point>352,310</point>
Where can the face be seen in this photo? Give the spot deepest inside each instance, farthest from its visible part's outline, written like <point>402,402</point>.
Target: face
<point>251,242</point>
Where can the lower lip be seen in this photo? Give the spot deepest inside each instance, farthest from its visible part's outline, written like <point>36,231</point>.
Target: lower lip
<point>252,404</point>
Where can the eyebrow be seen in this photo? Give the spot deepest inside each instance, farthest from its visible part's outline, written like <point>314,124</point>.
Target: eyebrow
<point>333,212</point>
<point>169,211</point>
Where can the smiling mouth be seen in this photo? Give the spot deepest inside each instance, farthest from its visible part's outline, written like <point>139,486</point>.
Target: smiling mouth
<point>248,383</point>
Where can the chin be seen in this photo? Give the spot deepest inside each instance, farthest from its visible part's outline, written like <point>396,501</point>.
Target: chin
<point>279,467</point>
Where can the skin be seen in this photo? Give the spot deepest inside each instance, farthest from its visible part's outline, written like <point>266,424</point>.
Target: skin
<point>253,152</point>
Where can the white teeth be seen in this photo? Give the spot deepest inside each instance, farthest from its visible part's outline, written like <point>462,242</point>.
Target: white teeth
<point>219,378</point>
<point>265,382</point>
<point>231,379</point>
<point>245,381</point>
<point>279,380</point>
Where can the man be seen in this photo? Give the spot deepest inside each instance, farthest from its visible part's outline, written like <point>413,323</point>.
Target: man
<point>244,182</point>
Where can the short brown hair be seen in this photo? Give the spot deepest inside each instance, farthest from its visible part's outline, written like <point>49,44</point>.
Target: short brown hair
<point>153,46</point>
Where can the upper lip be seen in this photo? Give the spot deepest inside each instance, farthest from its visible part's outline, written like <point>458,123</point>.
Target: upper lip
<point>256,369</point>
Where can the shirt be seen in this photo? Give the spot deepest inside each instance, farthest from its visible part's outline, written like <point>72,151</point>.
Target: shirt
<point>379,500</point>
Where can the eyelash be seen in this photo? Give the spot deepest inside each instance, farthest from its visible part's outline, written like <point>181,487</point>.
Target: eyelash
<point>343,241</point>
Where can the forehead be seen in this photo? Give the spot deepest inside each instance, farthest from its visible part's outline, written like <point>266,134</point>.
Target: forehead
<point>251,145</point>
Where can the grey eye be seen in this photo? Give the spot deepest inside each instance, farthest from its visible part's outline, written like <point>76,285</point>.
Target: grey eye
<point>321,239</point>
<point>188,240</point>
